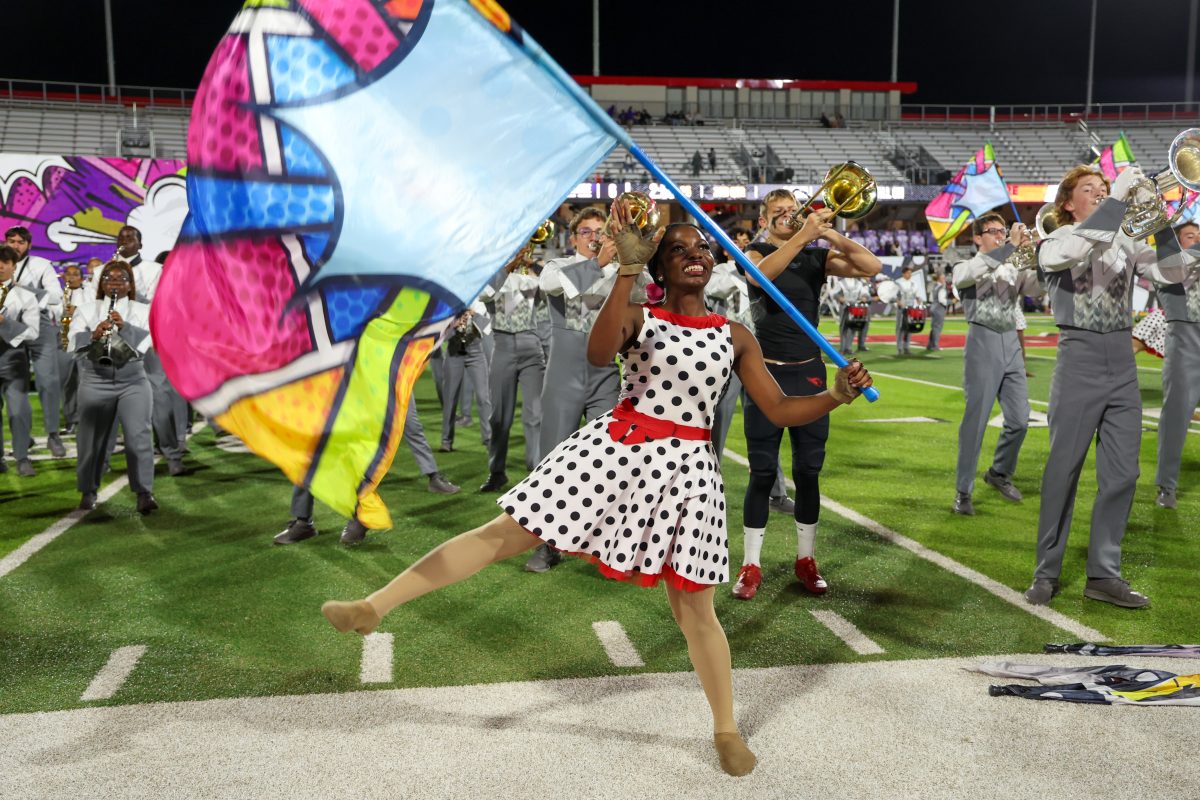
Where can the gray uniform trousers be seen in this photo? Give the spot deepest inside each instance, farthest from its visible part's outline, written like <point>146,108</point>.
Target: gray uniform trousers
<point>517,360</point>
<point>1094,394</point>
<point>847,333</point>
<point>902,334</point>
<point>105,396</point>
<point>723,418</point>
<point>992,367</point>
<point>418,445</point>
<point>453,390</point>
<point>1181,394</point>
<point>166,427</point>
<point>43,353</point>
<point>14,395</point>
<point>68,375</point>
<point>937,320</point>
<point>573,388</point>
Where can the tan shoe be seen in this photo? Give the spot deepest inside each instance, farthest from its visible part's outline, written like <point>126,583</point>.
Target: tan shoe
<point>358,616</point>
<point>736,758</point>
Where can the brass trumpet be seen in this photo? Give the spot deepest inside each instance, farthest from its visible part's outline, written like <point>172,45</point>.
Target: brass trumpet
<point>849,190</point>
<point>1147,217</point>
<point>645,215</point>
<point>1025,256</point>
<point>525,257</point>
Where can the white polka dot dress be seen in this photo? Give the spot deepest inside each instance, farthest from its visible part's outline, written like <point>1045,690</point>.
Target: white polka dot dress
<point>638,491</point>
<point>1151,331</point>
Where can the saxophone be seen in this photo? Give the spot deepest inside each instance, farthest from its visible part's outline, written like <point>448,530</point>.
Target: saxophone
<point>64,322</point>
<point>4,295</point>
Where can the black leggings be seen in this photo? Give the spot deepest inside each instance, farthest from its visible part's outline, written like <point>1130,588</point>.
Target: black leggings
<point>808,447</point>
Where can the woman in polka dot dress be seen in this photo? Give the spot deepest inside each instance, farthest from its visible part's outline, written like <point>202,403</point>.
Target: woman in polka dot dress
<point>639,490</point>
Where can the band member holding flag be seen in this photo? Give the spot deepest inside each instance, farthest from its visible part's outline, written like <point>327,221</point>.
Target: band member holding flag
<point>638,491</point>
<point>1090,264</point>
<point>794,361</point>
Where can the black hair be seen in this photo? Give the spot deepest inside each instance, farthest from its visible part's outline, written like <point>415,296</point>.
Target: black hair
<point>116,264</point>
<point>19,230</point>
<point>135,230</point>
<point>9,253</point>
<point>654,264</point>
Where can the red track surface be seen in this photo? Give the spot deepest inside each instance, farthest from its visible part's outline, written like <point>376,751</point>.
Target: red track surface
<point>949,339</point>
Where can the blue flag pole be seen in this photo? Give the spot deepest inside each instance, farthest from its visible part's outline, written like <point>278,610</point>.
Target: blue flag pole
<point>715,230</point>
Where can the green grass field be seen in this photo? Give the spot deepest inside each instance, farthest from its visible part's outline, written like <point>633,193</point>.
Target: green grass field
<point>224,613</point>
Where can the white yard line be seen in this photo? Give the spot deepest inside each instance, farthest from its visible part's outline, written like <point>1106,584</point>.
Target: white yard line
<point>112,676</point>
<point>1010,596</point>
<point>23,553</point>
<point>617,645</point>
<point>377,658</point>
<point>846,630</point>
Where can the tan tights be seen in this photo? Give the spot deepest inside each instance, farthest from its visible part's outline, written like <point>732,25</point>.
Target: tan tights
<point>464,555</point>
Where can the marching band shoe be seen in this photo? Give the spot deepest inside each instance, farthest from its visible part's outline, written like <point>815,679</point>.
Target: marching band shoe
<point>358,616</point>
<point>495,482</point>
<point>1003,485</point>
<point>749,578</point>
<point>783,505</point>
<point>863,350</point>
<point>296,531</point>
<point>1041,591</point>
<point>87,502</point>
<point>806,571</point>
<point>1115,591</point>
<point>56,446</point>
<point>544,558</point>
<point>354,532</point>
<point>146,503</point>
<point>3,466</point>
<point>176,468</point>
<point>447,447</point>
<point>736,758</point>
<point>963,504</point>
<point>439,485</point>
<point>25,468</point>
<point>1166,498</point>
<point>463,422</point>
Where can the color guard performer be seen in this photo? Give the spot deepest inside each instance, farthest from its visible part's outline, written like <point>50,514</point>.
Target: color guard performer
<point>1181,365</point>
<point>38,276</point>
<point>993,367</point>
<point>1089,266</point>
<point>20,322</point>
<point>111,334</point>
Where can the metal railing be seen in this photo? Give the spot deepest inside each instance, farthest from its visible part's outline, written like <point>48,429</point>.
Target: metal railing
<point>17,91</point>
<point>1048,114</point>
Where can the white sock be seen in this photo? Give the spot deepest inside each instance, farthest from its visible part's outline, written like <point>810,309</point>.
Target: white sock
<point>806,536</point>
<point>753,539</point>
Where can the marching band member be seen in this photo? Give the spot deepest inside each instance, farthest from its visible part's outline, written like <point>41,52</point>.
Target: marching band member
<point>20,322</point>
<point>908,298</point>
<point>794,360</point>
<point>1181,365</point>
<point>1089,264</point>
<point>465,356</point>
<point>111,335</point>
<point>38,276</point>
<point>638,491</point>
<point>74,293</point>
<point>993,367</point>
<point>853,291</point>
<point>939,302</point>
<point>518,360</point>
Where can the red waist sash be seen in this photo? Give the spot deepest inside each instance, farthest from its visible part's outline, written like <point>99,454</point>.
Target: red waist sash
<point>630,426</point>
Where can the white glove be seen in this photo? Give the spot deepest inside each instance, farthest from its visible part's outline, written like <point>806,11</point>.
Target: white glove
<point>1125,182</point>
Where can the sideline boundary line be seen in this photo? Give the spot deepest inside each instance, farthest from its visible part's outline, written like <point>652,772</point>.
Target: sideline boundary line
<point>39,540</point>
<point>990,585</point>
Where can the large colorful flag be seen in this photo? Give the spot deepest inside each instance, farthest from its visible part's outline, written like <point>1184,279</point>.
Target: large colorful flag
<point>1115,158</point>
<point>976,189</point>
<point>358,170</point>
<point>1111,685</point>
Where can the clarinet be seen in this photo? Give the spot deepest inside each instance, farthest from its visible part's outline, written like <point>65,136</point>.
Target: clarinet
<point>106,359</point>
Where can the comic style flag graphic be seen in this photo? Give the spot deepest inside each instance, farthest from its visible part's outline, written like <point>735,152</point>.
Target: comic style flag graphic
<point>977,188</point>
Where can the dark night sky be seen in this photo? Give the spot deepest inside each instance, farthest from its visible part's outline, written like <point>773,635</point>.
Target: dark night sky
<point>1019,51</point>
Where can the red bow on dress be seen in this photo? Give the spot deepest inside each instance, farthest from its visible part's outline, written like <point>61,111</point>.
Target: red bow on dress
<point>630,426</point>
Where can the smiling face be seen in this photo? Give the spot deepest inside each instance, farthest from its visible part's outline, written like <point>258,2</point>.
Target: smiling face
<point>684,259</point>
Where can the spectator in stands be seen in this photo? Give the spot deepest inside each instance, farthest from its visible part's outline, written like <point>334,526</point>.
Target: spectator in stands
<point>799,272</point>
<point>697,163</point>
<point>825,122</point>
<point>838,120</point>
<point>712,159</point>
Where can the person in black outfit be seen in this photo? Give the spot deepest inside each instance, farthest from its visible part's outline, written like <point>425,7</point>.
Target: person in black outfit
<point>794,360</point>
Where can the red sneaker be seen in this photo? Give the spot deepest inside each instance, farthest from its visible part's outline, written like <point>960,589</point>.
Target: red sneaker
<point>806,571</point>
<point>748,581</point>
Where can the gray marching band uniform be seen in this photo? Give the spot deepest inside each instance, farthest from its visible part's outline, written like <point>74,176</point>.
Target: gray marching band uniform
<point>108,394</point>
<point>576,288</point>
<point>460,360</point>
<point>170,409</point>
<point>993,366</point>
<point>418,445</point>
<point>22,324</point>
<point>907,298</point>
<point>518,360</point>
<point>852,291</point>
<point>939,301</point>
<point>729,296</point>
<point>68,371</point>
<point>38,276</point>
<point>1181,364</point>
<point>1089,272</point>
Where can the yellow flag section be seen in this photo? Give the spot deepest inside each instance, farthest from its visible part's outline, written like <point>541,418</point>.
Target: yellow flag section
<point>331,429</point>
